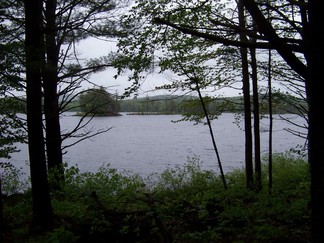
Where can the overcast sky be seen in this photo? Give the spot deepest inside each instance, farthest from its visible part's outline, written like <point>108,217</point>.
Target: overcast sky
<point>92,48</point>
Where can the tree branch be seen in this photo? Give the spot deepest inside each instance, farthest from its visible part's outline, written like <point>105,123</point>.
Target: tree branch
<point>282,47</point>
<point>218,39</point>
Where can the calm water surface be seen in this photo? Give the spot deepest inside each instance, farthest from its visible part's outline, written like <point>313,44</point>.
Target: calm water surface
<point>152,143</point>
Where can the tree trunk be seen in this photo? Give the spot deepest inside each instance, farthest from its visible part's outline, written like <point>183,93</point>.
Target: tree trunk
<point>42,210</point>
<point>315,88</point>
<point>256,122</point>
<point>313,74</point>
<point>270,122</point>
<point>51,105</point>
<point>247,104</point>
<point>211,134</point>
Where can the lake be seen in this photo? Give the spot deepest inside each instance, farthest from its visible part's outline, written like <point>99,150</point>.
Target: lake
<point>152,143</point>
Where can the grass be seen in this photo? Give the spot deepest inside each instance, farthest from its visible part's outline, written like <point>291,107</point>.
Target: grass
<point>184,204</point>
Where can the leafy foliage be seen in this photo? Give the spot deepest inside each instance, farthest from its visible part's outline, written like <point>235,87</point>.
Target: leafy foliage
<point>182,204</point>
<point>148,46</point>
<point>200,39</point>
<point>11,70</point>
<point>11,126</point>
<point>11,179</point>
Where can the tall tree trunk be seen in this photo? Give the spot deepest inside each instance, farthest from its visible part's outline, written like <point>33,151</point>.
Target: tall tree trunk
<point>270,123</point>
<point>51,105</point>
<point>247,103</point>
<point>42,210</point>
<point>315,88</point>
<point>256,122</point>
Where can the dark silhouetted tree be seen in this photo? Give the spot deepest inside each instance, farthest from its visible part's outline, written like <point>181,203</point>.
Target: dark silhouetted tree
<point>42,210</point>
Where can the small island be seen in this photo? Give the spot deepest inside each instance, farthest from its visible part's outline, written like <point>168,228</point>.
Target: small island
<point>98,102</point>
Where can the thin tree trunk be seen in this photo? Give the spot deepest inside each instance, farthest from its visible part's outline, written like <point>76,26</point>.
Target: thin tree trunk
<point>211,134</point>
<point>42,210</point>
<point>270,123</point>
<point>51,106</point>
<point>256,122</point>
<point>247,104</point>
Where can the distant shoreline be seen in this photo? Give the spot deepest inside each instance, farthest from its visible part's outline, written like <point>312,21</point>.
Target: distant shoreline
<point>98,115</point>
<point>150,113</point>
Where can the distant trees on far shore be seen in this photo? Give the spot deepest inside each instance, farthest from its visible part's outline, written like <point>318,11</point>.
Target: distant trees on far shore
<point>173,104</point>
<point>100,102</point>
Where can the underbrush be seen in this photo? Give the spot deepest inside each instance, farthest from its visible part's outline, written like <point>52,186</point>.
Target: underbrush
<point>185,204</point>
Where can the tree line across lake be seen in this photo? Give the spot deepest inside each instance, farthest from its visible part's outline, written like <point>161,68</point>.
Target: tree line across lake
<point>101,103</point>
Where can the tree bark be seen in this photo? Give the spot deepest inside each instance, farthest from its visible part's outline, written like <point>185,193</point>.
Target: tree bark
<point>315,88</point>
<point>247,104</point>
<point>42,210</point>
<point>51,105</point>
<point>313,75</point>
<point>256,122</point>
<point>270,122</point>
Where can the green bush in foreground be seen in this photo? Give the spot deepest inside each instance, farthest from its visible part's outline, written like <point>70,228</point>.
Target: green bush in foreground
<point>183,204</point>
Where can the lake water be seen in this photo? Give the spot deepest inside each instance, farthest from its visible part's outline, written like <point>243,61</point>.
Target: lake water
<point>152,143</point>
